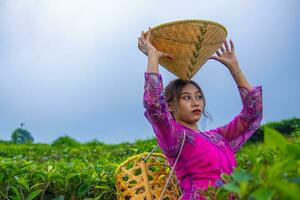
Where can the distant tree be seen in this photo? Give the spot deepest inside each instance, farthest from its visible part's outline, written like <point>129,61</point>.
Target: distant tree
<point>65,141</point>
<point>21,136</point>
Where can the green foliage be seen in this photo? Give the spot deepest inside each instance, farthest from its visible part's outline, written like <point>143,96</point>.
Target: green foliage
<point>70,170</point>
<point>65,141</point>
<point>286,127</point>
<point>63,171</point>
<point>94,143</point>
<point>21,136</point>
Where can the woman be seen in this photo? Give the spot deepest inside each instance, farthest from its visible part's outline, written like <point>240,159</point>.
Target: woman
<point>177,110</point>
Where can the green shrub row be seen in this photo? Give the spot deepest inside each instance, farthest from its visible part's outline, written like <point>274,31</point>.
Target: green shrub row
<point>67,169</point>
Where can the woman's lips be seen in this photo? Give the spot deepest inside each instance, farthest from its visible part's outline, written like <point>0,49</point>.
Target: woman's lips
<point>197,112</point>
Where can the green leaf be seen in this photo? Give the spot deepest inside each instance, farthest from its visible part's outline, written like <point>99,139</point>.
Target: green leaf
<point>244,188</point>
<point>24,183</point>
<point>275,170</point>
<point>274,139</point>
<point>83,189</point>
<point>16,191</point>
<point>34,194</point>
<point>35,185</point>
<point>40,175</point>
<point>288,190</point>
<point>263,194</point>
<point>49,168</point>
<point>241,176</point>
<point>134,149</point>
<point>293,149</point>
<point>231,187</point>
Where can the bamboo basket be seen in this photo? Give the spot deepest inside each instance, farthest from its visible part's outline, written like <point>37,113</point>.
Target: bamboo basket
<point>140,179</point>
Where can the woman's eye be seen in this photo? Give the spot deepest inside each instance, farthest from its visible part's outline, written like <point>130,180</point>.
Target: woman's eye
<point>188,97</point>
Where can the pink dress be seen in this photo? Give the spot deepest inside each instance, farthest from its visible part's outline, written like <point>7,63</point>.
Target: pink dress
<point>207,154</point>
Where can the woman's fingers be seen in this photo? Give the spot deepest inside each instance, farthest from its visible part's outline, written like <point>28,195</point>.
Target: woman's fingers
<point>232,45</point>
<point>143,37</point>
<point>170,56</point>
<point>226,45</point>
<point>163,54</point>
<point>222,49</point>
<point>141,46</point>
<point>140,42</point>
<point>141,34</point>
<point>142,50</point>
<point>149,34</point>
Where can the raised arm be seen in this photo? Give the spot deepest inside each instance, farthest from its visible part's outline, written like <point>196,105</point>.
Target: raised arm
<point>244,125</point>
<point>156,112</point>
<point>156,109</point>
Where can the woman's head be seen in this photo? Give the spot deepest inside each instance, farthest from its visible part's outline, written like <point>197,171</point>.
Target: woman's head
<point>184,97</point>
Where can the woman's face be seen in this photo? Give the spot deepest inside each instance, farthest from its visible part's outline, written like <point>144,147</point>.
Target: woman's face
<point>190,100</point>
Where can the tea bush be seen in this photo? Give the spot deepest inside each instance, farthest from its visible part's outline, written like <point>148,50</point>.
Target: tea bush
<point>68,169</point>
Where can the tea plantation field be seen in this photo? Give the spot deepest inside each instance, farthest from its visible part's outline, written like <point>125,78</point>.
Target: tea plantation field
<point>66,169</point>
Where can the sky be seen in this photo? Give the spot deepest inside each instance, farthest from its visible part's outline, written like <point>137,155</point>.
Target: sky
<point>72,67</point>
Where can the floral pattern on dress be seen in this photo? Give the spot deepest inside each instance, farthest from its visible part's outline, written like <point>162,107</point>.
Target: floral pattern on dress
<point>215,138</point>
<point>172,151</point>
<point>252,112</point>
<point>195,190</point>
<point>252,102</point>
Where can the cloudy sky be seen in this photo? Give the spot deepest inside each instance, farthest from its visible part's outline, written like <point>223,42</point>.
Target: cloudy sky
<point>72,67</point>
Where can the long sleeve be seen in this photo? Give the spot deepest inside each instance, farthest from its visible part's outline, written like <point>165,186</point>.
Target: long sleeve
<point>169,139</point>
<point>244,125</point>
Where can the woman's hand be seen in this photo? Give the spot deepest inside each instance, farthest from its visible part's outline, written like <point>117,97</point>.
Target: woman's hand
<point>227,57</point>
<point>148,49</point>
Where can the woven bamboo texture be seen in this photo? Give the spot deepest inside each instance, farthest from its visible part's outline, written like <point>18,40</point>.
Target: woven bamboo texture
<point>191,42</point>
<point>137,179</point>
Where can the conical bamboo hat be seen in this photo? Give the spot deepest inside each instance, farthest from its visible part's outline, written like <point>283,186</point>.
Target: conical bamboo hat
<point>191,42</point>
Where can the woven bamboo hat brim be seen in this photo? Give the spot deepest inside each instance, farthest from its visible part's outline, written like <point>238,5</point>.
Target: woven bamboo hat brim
<point>191,42</point>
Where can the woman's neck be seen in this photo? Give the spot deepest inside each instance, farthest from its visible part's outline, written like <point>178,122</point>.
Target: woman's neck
<point>193,126</point>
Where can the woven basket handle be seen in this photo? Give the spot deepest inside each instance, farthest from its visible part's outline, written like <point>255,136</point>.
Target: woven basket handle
<point>172,168</point>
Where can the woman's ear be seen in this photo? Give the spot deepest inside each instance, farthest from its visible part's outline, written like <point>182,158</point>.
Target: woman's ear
<point>170,107</point>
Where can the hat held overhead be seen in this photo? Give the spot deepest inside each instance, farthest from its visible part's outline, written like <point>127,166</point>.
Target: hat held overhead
<point>190,42</point>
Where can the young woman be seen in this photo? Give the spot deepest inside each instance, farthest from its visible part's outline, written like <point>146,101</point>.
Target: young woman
<point>178,108</point>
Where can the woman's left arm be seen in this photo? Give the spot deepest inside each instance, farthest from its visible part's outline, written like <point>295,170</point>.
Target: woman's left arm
<point>244,125</point>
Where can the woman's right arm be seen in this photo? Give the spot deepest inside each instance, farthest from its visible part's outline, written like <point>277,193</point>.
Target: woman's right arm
<point>156,109</point>
<point>156,112</point>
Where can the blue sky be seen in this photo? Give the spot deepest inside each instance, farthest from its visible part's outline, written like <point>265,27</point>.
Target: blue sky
<point>73,67</point>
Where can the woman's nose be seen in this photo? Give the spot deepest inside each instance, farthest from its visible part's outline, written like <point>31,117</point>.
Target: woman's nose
<point>195,103</point>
